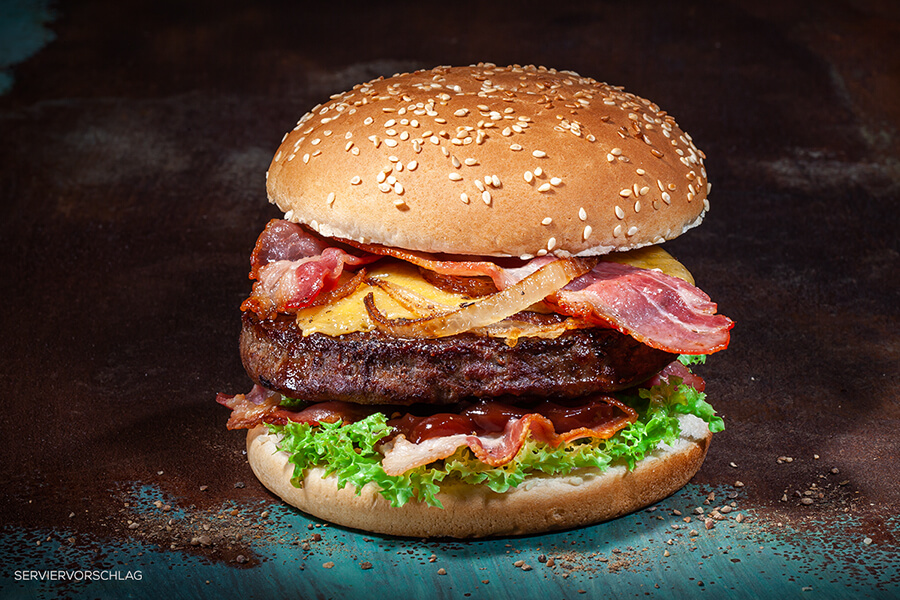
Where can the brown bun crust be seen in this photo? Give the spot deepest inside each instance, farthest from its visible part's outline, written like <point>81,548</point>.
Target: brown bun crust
<point>541,504</point>
<point>444,160</point>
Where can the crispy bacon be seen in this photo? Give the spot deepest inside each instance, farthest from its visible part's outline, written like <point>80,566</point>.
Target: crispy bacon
<point>454,266</point>
<point>600,418</point>
<point>261,406</point>
<point>292,267</point>
<point>656,309</point>
<point>676,369</point>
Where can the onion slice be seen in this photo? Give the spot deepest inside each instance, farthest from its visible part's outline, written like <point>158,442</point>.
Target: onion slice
<point>487,310</point>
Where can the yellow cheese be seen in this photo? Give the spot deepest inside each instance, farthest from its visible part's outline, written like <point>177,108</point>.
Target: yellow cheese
<point>349,313</point>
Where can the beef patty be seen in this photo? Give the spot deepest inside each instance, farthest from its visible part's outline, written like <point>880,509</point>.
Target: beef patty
<point>375,368</point>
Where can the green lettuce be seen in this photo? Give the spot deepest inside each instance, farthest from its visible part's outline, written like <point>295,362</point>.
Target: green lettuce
<point>348,451</point>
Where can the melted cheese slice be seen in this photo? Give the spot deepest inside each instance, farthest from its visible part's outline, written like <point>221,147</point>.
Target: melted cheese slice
<point>349,314</point>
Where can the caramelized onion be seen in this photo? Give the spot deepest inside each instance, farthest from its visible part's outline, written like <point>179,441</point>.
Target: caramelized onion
<point>487,310</point>
<point>341,291</point>
<point>473,287</point>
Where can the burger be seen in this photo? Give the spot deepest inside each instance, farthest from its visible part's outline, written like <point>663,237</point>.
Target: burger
<point>464,324</point>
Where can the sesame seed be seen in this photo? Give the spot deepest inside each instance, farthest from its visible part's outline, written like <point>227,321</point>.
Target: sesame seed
<point>546,221</point>
<point>529,176</point>
<point>625,193</point>
<point>356,180</point>
<point>391,180</point>
<point>539,154</point>
<point>610,158</point>
<point>631,231</point>
<point>551,244</point>
<point>381,177</point>
<point>587,232</point>
<point>462,112</point>
<point>486,197</point>
<point>305,158</point>
<point>637,206</point>
<point>390,143</point>
<point>330,199</point>
<point>555,181</point>
<point>545,187</point>
<point>454,177</point>
<point>616,152</point>
<point>368,121</point>
<point>640,171</point>
<point>495,181</point>
<point>667,198</point>
<point>348,146</point>
<point>538,172</point>
<point>644,190</point>
<point>434,139</point>
<point>479,185</point>
<point>619,212</point>
<point>390,123</point>
<point>399,202</point>
<point>582,214</point>
<point>398,188</point>
<point>515,147</point>
<point>384,187</point>
<point>464,197</point>
<point>412,165</point>
<point>636,190</point>
<point>617,231</point>
<point>470,162</point>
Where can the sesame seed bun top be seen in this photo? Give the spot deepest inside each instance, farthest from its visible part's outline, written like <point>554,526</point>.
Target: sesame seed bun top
<point>500,161</point>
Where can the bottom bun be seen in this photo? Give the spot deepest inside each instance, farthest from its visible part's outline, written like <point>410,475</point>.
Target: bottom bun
<point>541,503</point>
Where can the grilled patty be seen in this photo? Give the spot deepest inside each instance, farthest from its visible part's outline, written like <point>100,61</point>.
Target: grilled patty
<point>375,368</point>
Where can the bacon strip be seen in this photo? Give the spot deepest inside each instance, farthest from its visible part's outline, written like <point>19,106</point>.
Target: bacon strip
<point>676,369</point>
<point>498,449</point>
<point>445,266</point>
<point>293,267</point>
<point>261,406</point>
<point>656,309</point>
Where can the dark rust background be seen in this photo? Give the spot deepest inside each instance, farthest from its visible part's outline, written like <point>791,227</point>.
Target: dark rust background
<point>132,186</point>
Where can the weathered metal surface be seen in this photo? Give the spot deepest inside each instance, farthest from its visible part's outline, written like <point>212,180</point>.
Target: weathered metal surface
<point>132,186</point>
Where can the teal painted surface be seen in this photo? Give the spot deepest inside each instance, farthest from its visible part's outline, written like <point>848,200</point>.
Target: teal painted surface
<point>621,559</point>
<point>23,32</point>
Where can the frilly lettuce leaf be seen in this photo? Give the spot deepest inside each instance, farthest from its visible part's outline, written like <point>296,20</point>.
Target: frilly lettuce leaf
<point>348,451</point>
